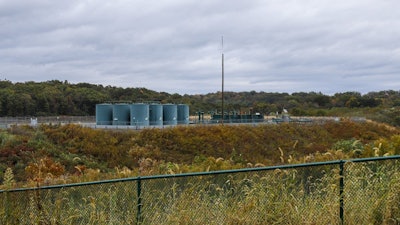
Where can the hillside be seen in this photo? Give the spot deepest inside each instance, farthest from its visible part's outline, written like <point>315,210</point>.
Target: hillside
<point>61,98</point>
<point>52,154</point>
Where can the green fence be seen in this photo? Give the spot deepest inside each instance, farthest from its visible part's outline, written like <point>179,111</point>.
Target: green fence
<point>360,191</point>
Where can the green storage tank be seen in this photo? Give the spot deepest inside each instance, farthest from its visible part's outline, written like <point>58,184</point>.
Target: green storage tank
<point>183,114</point>
<point>170,114</point>
<point>139,114</point>
<point>156,114</point>
<point>104,114</point>
<point>121,114</point>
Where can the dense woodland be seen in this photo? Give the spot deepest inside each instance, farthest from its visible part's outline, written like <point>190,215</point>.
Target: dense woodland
<point>53,98</point>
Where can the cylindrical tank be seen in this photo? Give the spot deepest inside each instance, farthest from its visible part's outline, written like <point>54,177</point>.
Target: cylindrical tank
<point>156,114</point>
<point>170,114</point>
<point>139,115</point>
<point>104,114</point>
<point>183,114</point>
<point>121,114</point>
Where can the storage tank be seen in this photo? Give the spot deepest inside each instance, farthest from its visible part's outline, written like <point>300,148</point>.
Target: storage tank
<point>139,114</point>
<point>170,114</point>
<point>156,114</point>
<point>183,114</point>
<point>121,114</point>
<point>104,114</point>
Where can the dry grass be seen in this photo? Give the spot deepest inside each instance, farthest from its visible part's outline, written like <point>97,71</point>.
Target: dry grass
<point>308,195</point>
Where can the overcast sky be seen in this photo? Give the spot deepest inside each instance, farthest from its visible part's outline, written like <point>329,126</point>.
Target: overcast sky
<point>327,46</point>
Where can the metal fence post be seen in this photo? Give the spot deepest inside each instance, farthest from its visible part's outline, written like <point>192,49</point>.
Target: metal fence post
<point>6,206</point>
<point>341,175</point>
<point>139,201</point>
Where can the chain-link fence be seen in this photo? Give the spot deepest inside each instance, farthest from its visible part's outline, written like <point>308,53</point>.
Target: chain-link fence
<point>363,191</point>
<point>6,122</point>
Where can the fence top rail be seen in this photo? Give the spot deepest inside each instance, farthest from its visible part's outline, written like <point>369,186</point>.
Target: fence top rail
<point>218,172</point>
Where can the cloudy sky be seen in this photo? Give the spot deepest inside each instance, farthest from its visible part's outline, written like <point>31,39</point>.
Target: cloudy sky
<point>326,46</point>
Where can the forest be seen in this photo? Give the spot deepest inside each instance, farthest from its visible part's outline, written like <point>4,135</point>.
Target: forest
<point>55,98</point>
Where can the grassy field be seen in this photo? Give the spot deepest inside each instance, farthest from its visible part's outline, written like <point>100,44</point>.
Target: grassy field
<point>300,195</point>
<point>64,155</point>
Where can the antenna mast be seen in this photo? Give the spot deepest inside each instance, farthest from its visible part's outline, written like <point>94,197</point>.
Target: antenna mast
<point>222,44</point>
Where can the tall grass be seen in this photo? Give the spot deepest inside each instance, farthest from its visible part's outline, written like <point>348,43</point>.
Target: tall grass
<point>269,197</point>
<point>306,195</point>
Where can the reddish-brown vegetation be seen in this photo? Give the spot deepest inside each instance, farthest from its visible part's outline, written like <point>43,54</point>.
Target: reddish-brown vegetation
<point>74,152</point>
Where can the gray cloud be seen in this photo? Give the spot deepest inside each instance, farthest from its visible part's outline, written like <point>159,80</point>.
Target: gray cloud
<point>174,46</point>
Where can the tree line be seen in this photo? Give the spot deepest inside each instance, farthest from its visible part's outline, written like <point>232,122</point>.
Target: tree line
<point>56,97</point>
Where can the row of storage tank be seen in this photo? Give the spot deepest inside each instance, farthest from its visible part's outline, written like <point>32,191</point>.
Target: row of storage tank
<point>140,114</point>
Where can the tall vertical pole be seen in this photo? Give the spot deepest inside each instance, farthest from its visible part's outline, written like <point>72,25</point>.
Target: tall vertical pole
<point>222,116</point>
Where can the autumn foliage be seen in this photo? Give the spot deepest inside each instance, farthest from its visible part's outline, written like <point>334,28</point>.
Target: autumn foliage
<point>72,153</point>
